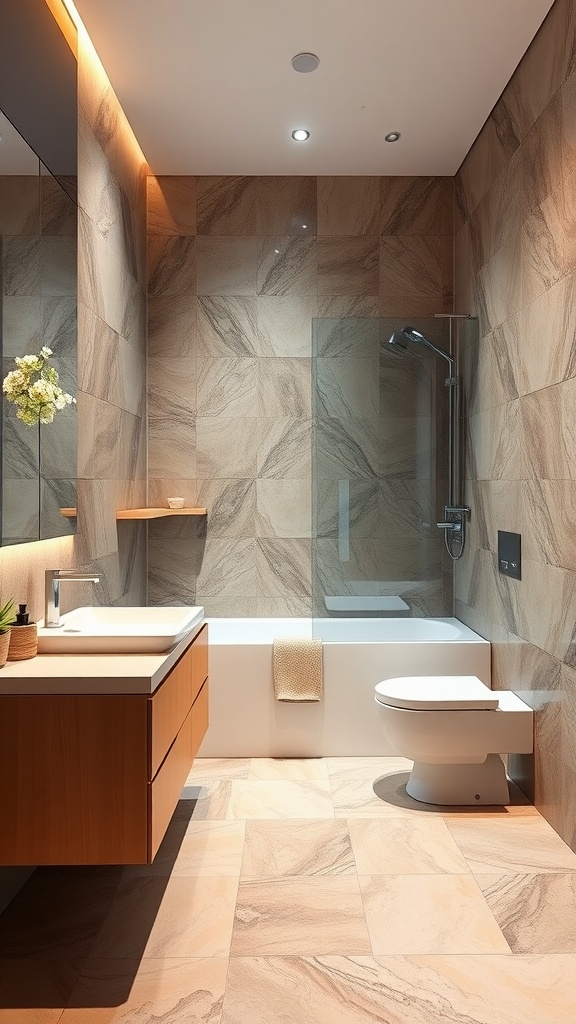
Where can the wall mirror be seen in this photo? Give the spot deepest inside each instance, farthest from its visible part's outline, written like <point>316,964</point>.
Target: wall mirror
<point>38,260</point>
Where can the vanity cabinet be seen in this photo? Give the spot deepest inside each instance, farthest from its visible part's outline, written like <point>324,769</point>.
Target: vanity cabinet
<point>95,778</point>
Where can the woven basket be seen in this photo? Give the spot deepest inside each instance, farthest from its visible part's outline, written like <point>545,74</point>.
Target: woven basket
<point>23,642</point>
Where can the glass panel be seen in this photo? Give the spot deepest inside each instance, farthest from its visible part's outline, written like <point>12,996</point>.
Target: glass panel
<point>379,470</point>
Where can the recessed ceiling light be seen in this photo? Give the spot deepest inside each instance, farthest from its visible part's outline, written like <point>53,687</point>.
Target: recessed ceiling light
<point>392,137</point>
<point>300,135</point>
<point>305,62</point>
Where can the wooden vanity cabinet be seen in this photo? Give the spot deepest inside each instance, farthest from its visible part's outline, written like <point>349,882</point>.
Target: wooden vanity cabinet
<point>95,779</point>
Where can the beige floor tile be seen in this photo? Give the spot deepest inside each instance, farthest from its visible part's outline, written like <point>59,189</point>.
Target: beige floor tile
<point>404,846</point>
<point>282,799</point>
<point>537,913</point>
<point>375,788</point>
<point>207,801</point>
<point>36,991</point>
<point>361,767</point>
<point>295,769</point>
<point>174,917</point>
<point>132,991</point>
<point>274,849</point>
<point>218,769</point>
<point>200,848</point>
<point>400,990</point>
<point>300,916</point>
<point>428,914</point>
<point>512,844</point>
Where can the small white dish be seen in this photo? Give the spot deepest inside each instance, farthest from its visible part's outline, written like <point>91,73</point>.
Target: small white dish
<point>175,502</point>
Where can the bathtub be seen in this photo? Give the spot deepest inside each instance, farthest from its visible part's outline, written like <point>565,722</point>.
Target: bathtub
<point>246,721</point>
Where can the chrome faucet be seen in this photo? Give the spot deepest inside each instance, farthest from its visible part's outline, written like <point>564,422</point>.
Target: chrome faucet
<point>52,580</point>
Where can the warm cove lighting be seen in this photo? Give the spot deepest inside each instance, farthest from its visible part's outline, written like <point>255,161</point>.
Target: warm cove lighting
<point>300,135</point>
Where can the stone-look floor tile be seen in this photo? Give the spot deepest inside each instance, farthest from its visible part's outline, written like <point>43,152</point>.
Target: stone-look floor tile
<point>373,788</point>
<point>280,799</point>
<point>401,846</point>
<point>274,849</point>
<point>535,912</point>
<point>204,801</point>
<point>296,769</point>
<point>218,769</point>
<point>36,991</point>
<point>305,916</point>
<point>523,844</point>
<point>195,849</point>
<point>400,990</point>
<point>169,917</point>
<point>429,914</point>
<point>175,991</point>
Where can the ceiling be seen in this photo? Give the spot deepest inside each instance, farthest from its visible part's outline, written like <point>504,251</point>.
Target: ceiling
<point>209,89</point>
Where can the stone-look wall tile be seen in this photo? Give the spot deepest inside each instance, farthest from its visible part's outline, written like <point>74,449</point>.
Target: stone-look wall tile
<point>286,205</point>
<point>283,566</point>
<point>22,324</point>
<point>348,265</point>
<point>291,606</point>
<point>105,286</point>
<point>227,205</point>
<point>284,324</point>
<point>171,326</point>
<point>549,522</point>
<point>231,507</point>
<point>349,336</point>
<point>347,448</point>
<point>227,326</point>
<point>284,448</point>
<point>363,512</point>
<point>549,60</point>
<point>549,430</point>
<point>227,387</point>
<point>415,274</point>
<point>567,715</point>
<point>568,178</point>
<point>21,272</point>
<point>172,571</point>
<point>171,205</point>
<point>109,367</point>
<point>480,169</point>
<point>346,387</point>
<point>284,387</point>
<point>495,443</point>
<point>226,265</point>
<point>546,325</point>
<point>347,306</point>
<point>498,217</point>
<point>416,206</point>
<point>171,265</point>
<point>228,568</point>
<point>222,451</point>
<point>171,448</point>
<point>287,265</point>
<point>162,488</point>
<point>283,508</point>
<point>348,205</point>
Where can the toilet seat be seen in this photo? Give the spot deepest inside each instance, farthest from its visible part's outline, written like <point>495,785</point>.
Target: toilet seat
<point>436,693</point>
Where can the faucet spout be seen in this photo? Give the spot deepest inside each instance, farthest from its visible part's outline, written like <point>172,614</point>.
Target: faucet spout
<point>52,580</point>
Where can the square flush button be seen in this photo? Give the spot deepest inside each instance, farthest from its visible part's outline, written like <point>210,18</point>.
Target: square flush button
<point>509,559</point>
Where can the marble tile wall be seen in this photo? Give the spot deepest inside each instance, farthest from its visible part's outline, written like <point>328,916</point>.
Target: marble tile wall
<point>238,269</point>
<point>515,267</point>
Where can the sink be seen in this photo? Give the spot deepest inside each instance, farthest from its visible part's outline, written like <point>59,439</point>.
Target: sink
<point>118,630</point>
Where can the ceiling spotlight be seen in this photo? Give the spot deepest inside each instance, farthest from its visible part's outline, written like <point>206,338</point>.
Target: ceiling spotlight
<point>305,62</point>
<point>392,137</point>
<point>300,135</point>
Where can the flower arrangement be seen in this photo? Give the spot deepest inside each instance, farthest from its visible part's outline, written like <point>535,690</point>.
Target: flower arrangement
<point>35,388</point>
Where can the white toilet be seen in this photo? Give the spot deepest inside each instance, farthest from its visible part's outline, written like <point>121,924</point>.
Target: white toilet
<point>454,728</point>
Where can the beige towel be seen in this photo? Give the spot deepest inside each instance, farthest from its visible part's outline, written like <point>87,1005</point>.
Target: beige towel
<point>298,668</point>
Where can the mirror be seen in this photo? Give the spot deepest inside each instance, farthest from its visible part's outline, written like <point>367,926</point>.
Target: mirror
<point>38,257</point>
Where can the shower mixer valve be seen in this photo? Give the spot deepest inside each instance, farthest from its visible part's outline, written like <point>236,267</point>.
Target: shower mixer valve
<point>455,517</point>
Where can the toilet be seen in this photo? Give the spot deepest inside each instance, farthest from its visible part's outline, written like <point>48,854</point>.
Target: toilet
<point>454,728</point>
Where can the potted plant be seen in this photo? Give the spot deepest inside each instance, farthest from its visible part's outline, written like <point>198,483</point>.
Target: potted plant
<point>7,613</point>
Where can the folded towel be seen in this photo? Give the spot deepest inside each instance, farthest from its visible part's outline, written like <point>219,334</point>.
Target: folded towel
<point>297,668</point>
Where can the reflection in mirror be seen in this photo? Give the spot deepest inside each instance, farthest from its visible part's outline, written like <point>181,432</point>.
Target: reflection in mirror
<point>38,277</point>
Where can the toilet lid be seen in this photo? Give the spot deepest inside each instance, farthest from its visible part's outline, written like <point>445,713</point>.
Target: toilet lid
<point>437,693</point>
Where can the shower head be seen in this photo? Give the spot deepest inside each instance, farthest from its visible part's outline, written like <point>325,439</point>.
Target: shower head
<point>397,343</point>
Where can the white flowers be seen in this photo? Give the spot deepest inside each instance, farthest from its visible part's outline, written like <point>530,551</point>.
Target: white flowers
<point>35,388</point>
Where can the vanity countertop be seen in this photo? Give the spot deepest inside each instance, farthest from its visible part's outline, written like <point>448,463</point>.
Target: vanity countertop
<point>92,673</point>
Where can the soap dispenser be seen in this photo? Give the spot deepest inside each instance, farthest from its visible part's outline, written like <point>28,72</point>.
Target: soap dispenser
<point>23,637</point>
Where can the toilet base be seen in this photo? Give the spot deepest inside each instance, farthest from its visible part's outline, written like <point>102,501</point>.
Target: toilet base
<point>461,784</point>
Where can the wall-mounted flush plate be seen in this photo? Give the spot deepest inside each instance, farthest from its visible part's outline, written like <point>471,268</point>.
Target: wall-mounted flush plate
<point>509,554</point>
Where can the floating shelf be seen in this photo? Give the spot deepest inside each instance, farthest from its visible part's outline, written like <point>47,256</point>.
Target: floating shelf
<point>69,513</point>
<point>158,513</point>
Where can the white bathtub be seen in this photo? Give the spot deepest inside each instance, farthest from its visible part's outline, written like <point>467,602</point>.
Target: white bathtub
<point>246,721</point>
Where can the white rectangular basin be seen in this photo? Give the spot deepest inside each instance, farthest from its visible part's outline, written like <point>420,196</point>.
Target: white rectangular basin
<point>118,630</point>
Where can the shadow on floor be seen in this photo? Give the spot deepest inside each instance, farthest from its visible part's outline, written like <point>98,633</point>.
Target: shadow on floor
<point>49,930</point>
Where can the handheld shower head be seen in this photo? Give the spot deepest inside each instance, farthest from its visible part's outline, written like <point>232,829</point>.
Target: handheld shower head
<point>397,343</point>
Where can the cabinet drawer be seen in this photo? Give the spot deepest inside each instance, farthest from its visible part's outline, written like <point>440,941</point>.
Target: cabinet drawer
<point>164,792</point>
<point>168,708</point>
<point>200,717</point>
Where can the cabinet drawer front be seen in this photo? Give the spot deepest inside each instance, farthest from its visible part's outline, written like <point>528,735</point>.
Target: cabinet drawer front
<point>200,717</point>
<point>164,791</point>
<point>199,660</point>
<point>168,708</point>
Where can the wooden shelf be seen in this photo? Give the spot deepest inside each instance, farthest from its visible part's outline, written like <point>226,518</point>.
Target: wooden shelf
<point>69,513</point>
<point>158,513</point>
